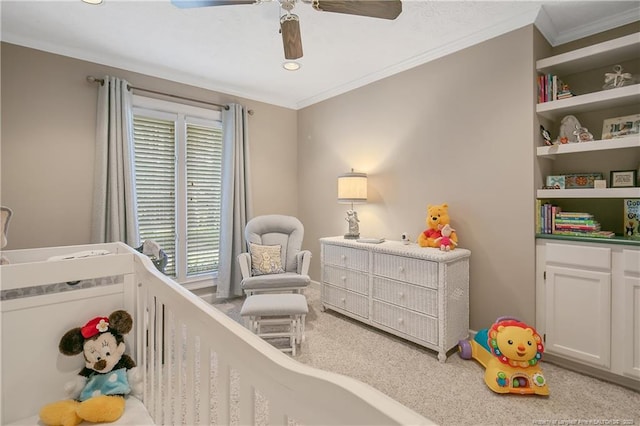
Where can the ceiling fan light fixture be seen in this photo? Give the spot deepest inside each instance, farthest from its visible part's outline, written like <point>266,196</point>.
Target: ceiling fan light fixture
<point>291,65</point>
<point>95,2</point>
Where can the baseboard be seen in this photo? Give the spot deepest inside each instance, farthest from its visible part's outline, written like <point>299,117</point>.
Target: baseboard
<point>587,370</point>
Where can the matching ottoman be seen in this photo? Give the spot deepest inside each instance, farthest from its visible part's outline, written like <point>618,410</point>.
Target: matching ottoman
<point>287,309</point>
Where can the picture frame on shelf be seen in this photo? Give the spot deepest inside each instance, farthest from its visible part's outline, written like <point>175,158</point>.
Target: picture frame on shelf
<point>623,178</point>
<point>620,127</point>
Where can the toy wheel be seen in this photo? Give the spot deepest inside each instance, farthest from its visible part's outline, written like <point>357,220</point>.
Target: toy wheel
<point>464,349</point>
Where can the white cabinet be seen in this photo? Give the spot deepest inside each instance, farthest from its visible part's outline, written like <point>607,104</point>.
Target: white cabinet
<point>588,304</point>
<point>420,294</point>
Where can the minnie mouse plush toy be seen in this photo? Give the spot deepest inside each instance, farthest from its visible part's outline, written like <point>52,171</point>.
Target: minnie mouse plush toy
<point>97,394</point>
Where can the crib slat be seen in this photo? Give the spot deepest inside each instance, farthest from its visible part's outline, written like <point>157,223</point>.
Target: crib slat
<point>189,397</point>
<point>168,351</point>
<point>223,383</point>
<point>247,401</point>
<point>158,353</point>
<point>277,414</point>
<point>204,387</point>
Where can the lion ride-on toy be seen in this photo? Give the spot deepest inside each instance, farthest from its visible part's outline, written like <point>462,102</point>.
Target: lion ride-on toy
<point>510,352</point>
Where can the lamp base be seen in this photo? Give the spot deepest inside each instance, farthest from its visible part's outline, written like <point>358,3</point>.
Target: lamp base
<point>351,236</point>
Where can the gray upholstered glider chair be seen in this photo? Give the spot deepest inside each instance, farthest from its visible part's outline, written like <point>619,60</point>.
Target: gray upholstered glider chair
<point>274,261</point>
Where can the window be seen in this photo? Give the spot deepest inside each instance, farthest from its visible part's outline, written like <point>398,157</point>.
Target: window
<point>178,159</point>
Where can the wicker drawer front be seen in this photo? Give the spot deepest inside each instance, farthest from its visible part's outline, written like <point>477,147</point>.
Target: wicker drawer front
<point>346,278</point>
<point>419,299</point>
<point>351,302</point>
<point>346,257</point>
<point>416,325</point>
<point>415,271</point>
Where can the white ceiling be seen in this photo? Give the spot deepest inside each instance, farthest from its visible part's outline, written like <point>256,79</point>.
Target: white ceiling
<point>238,50</point>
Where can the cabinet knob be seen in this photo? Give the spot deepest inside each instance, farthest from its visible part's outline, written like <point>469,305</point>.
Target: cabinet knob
<point>400,320</point>
<point>401,269</point>
<point>343,278</point>
<point>343,300</point>
<point>401,294</point>
<point>343,257</point>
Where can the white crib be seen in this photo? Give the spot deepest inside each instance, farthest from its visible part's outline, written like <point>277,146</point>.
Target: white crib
<point>199,366</point>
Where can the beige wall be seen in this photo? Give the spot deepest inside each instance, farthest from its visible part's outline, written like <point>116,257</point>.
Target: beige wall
<point>460,129</point>
<point>457,130</point>
<point>48,128</point>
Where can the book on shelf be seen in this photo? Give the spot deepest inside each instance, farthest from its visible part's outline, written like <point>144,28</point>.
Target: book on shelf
<point>551,88</point>
<point>550,219</point>
<point>632,218</point>
<point>595,234</point>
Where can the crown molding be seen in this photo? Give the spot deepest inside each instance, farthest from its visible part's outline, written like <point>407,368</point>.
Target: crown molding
<point>555,38</point>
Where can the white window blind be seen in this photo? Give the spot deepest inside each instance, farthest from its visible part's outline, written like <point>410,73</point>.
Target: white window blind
<point>204,166</point>
<point>156,183</point>
<point>178,183</point>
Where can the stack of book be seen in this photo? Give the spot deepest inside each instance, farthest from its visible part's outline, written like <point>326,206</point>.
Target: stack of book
<point>575,223</point>
<point>550,219</point>
<point>551,88</point>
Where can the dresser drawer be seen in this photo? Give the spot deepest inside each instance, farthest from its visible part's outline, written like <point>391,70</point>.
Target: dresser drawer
<point>411,323</point>
<point>415,271</point>
<point>421,299</point>
<point>346,257</point>
<point>343,299</point>
<point>346,278</point>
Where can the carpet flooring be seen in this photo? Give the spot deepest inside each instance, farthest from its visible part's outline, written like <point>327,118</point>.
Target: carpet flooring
<point>451,393</point>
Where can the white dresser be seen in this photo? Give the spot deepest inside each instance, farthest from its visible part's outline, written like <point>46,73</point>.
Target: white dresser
<point>420,294</point>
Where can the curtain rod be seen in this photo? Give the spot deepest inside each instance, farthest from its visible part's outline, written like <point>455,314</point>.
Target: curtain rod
<point>140,89</point>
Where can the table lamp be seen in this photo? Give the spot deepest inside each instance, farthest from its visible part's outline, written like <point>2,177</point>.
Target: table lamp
<point>352,189</point>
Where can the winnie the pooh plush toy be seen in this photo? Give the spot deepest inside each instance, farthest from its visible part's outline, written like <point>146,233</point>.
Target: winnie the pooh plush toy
<point>437,218</point>
<point>97,394</point>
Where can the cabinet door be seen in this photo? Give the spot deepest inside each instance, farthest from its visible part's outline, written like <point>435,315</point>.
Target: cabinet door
<point>631,344</point>
<point>578,314</point>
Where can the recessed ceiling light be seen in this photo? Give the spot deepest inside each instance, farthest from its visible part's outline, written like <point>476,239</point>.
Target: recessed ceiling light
<point>291,66</point>
<point>92,1</point>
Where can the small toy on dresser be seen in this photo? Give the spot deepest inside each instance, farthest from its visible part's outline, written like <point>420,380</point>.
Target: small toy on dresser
<point>98,391</point>
<point>437,219</point>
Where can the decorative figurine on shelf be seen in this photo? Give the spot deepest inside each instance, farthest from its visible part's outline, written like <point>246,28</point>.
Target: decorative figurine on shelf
<point>354,228</point>
<point>582,134</point>
<point>567,126</point>
<point>545,135</point>
<point>617,78</point>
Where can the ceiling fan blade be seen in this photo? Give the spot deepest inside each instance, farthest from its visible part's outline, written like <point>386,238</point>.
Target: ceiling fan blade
<point>384,9</point>
<point>291,39</point>
<point>187,4</point>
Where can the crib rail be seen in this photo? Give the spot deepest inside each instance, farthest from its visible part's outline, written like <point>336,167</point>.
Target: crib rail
<point>204,368</point>
<point>199,366</point>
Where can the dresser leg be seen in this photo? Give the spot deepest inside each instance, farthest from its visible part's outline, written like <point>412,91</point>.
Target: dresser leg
<point>442,357</point>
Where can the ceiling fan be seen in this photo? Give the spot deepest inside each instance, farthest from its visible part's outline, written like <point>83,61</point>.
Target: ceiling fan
<point>290,24</point>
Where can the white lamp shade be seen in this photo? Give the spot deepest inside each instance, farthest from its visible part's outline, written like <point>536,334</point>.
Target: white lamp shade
<point>352,188</point>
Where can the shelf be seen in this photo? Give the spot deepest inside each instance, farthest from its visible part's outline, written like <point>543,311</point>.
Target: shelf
<point>591,57</point>
<point>629,95</point>
<point>615,240</point>
<point>599,145</point>
<point>588,193</point>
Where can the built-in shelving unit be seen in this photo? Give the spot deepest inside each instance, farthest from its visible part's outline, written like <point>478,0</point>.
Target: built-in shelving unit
<point>588,283</point>
<point>576,62</point>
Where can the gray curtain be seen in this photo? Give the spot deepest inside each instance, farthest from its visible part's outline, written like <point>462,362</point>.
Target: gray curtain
<point>236,199</point>
<point>114,216</point>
